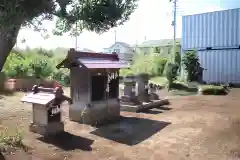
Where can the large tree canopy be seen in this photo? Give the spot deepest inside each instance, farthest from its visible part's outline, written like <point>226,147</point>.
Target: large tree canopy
<point>94,15</point>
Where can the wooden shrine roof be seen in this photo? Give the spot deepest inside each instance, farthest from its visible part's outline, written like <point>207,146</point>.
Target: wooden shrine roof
<point>92,60</point>
<point>38,98</point>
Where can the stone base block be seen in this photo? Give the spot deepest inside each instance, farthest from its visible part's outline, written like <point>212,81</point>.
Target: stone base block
<point>153,96</point>
<point>75,115</point>
<point>144,97</point>
<point>50,129</point>
<point>97,114</point>
<point>127,100</point>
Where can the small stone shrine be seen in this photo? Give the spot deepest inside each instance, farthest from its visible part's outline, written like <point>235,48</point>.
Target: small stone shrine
<point>129,91</point>
<point>142,87</point>
<point>137,97</point>
<point>94,81</point>
<point>46,109</point>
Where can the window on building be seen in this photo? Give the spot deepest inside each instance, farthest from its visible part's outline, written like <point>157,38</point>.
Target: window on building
<point>116,50</point>
<point>98,87</point>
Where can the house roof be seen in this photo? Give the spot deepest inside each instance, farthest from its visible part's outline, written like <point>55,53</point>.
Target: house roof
<point>120,43</point>
<point>92,60</point>
<point>158,43</point>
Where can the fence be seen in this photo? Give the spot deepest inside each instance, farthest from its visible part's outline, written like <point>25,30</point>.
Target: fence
<point>26,84</point>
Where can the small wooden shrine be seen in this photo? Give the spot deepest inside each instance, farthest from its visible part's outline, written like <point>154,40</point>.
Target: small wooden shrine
<point>94,88</point>
<point>46,108</point>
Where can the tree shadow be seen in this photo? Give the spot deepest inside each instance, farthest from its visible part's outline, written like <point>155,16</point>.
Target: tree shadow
<point>68,141</point>
<point>6,93</point>
<point>130,130</point>
<point>157,110</point>
<point>2,157</point>
<point>164,108</point>
<point>186,88</point>
<point>152,111</point>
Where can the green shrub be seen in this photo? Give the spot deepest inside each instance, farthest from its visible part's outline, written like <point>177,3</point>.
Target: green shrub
<point>16,66</point>
<point>213,90</point>
<point>10,141</point>
<point>61,76</point>
<point>125,72</point>
<point>191,65</point>
<point>41,68</point>
<point>171,74</point>
<point>152,64</point>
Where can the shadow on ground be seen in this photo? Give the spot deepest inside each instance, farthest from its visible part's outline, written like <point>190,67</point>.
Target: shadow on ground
<point>130,130</point>
<point>2,157</point>
<point>68,141</point>
<point>184,90</point>
<point>157,110</point>
<point>6,93</point>
<point>152,111</point>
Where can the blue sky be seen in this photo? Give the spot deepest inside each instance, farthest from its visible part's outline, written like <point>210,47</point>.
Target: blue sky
<point>152,20</point>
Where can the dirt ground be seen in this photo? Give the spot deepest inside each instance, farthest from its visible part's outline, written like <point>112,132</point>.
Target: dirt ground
<point>192,127</point>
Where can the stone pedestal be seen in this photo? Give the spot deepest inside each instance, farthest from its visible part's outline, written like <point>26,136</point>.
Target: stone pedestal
<point>142,90</point>
<point>152,90</point>
<point>152,94</point>
<point>140,87</point>
<point>98,112</point>
<point>129,96</point>
<point>46,120</point>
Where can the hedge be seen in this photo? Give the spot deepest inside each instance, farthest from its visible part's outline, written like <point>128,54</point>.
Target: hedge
<point>212,90</point>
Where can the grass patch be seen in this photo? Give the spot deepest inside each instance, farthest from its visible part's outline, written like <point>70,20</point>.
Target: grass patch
<point>162,81</point>
<point>213,90</point>
<point>184,89</point>
<point>10,141</point>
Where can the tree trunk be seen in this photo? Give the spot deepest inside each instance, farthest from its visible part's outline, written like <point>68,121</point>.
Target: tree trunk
<point>8,38</point>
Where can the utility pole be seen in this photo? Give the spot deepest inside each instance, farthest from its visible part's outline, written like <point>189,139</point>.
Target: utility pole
<point>174,27</point>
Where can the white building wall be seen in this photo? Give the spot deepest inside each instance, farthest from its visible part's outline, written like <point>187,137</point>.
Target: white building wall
<point>124,53</point>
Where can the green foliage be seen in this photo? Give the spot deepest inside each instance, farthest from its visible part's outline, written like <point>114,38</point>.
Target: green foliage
<point>10,140</point>
<point>98,16</point>
<point>152,64</point>
<point>62,76</point>
<point>72,16</point>
<point>191,65</point>
<point>40,68</point>
<point>162,81</point>
<point>125,72</point>
<point>32,63</point>
<point>213,90</point>
<point>178,59</point>
<point>16,66</point>
<point>171,73</point>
